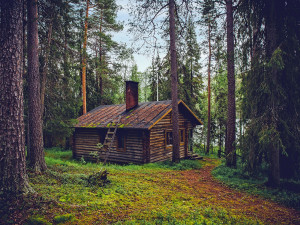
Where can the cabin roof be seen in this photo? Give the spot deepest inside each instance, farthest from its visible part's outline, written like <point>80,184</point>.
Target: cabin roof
<point>143,116</point>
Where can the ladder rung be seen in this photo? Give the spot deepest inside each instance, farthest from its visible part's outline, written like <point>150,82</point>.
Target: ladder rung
<point>110,136</point>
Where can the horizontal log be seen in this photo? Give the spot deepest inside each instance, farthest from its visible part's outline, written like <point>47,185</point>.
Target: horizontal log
<point>112,154</point>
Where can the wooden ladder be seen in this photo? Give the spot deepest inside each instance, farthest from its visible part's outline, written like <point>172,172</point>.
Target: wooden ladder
<point>109,138</point>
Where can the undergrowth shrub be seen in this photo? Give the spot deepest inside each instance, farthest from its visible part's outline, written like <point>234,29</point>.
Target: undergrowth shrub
<point>63,218</point>
<point>37,220</point>
<point>67,178</point>
<point>98,179</point>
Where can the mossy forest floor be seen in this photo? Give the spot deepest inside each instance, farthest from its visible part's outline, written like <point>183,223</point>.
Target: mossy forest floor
<point>158,193</point>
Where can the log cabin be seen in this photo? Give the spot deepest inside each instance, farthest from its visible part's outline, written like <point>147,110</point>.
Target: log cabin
<point>143,132</point>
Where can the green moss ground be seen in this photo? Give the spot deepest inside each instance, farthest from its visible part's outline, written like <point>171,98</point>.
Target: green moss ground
<point>156,193</point>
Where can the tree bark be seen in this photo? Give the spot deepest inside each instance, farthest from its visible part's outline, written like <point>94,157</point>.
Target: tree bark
<point>174,78</point>
<point>36,157</point>
<point>231,114</point>
<point>99,70</point>
<point>272,22</point>
<point>13,178</point>
<point>45,69</point>
<point>84,58</point>
<point>220,141</point>
<point>101,61</point>
<point>208,89</point>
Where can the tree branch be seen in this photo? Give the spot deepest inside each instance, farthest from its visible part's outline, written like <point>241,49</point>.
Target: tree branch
<point>237,5</point>
<point>153,18</point>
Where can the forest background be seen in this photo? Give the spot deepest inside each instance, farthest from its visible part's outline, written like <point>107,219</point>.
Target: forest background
<point>266,63</point>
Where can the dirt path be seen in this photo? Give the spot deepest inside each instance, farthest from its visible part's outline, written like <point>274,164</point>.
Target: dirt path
<point>211,191</point>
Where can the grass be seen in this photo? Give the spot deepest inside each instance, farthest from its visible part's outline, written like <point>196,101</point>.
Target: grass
<point>155,193</point>
<point>237,179</point>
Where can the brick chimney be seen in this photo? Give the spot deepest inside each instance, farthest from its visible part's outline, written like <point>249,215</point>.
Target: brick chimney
<point>132,94</point>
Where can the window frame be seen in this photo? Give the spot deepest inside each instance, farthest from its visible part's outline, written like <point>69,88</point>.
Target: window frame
<point>166,139</point>
<point>181,143</point>
<point>123,136</point>
<point>183,136</point>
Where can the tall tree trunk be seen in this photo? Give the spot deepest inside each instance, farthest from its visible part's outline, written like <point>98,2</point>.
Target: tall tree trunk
<point>13,178</point>
<point>220,141</point>
<point>176,150</point>
<point>231,114</point>
<point>272,23</point>
<point>45,69</point>
<point>101,60</point>
<point>208,89</point>
<point>84,58</point>
<point>36,159</point>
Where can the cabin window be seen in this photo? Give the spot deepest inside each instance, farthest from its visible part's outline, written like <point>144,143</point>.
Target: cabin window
<point>169,138</point>
<point>190,140</point>
<point>121,142</point>
<point>181,136</point>
<point>102,137</point>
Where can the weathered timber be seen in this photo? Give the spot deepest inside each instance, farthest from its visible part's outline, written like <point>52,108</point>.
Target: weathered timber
<point>144,138</point>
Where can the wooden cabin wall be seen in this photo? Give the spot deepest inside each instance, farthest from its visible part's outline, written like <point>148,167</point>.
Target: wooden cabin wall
<point>134,148</point>
<point>158,150</point>
<point>85,141</point>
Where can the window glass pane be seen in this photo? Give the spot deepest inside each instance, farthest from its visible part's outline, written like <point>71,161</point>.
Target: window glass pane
<point>181,135</point>
<point>169,138</point>
<point>121,141</point>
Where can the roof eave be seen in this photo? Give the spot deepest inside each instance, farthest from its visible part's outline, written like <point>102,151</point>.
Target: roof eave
<point>180,101</point>
<point>200,122</point>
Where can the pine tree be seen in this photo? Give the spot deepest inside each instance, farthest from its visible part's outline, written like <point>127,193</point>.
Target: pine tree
<point>231,113</point>
<point>36,147</point>
<point>190,76</point>
<point>102,23</point>
<point>209,14</point>
<point>219,90</point>
<point>270,88</point>
<point>155,76</point>
<point>84,57</point>
<point>60,66</point>
<point>174,83</point>
<point>13,179</point>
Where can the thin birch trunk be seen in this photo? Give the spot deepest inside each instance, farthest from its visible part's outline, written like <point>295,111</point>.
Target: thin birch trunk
<point>84,58</point>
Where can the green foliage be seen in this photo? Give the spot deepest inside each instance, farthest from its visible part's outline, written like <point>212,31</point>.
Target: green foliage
<point>98,179</point>
<point>270,87</point>
<point>200,150</point>
<point>82,160</point>
<point>182,165</point>
<point>63,218</point>
<point>37,220</point>
<point>239,179</point>
<point>276,61</point>
<point>99,146</point>
<point>189,72</point>
<point>65,187</point>
<point>195,217</point>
